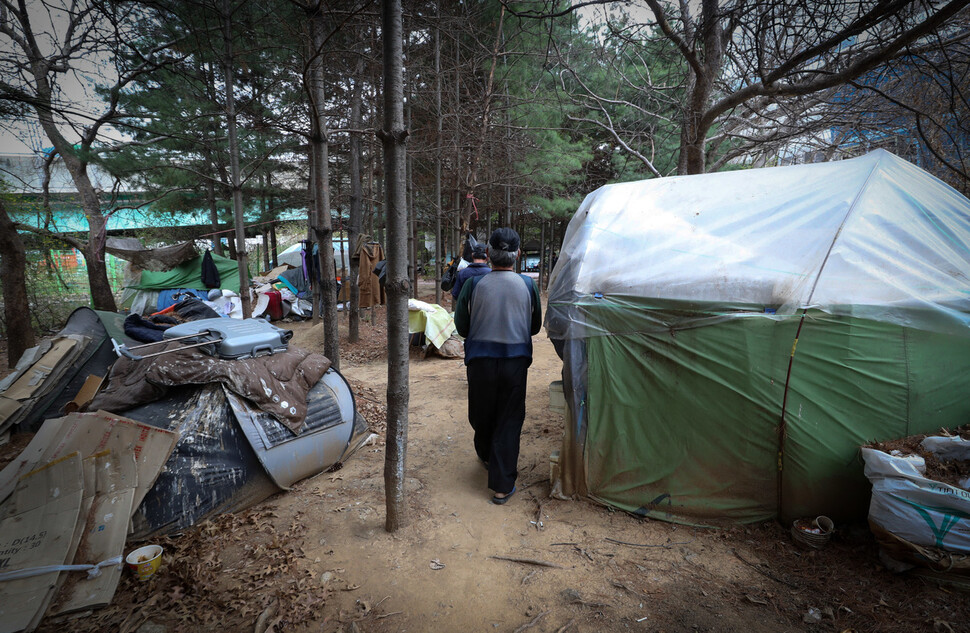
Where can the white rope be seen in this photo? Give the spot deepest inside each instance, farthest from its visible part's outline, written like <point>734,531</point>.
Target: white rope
<point>93,570</point>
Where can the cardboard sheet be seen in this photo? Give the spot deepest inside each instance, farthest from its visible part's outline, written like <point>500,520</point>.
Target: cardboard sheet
<point>37,530</point>
<point>103,532</point>
<point>276,272</point>
<point>33,380</point>
<point>88,488</point>
<point>29,458</point>
<point>90,433</point>
<point>27,359</point>
<point>8,407</point>
<point>151,447</point>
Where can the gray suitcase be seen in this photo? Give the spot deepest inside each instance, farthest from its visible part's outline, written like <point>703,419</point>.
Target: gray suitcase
<point>233,338</point>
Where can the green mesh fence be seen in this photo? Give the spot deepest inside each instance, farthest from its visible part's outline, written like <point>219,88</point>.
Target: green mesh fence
<point>57,283</point>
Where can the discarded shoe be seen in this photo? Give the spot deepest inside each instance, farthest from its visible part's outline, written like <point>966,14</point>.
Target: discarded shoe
<point>497,500</point>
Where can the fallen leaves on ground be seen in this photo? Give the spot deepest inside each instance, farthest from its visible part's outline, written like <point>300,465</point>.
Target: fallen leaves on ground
<point>220,575</point>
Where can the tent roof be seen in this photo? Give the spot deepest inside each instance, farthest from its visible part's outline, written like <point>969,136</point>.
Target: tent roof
<point>873,235</point>
<point>189,275</point>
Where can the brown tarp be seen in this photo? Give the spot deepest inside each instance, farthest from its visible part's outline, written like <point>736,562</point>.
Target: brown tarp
<point>278,384</point>
<point>156,259</point>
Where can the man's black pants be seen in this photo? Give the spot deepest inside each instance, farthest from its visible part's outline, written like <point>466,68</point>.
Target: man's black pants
<point>496,411</point>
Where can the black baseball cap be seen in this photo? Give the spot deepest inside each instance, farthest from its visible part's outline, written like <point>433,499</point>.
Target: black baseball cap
<point>504,239</point>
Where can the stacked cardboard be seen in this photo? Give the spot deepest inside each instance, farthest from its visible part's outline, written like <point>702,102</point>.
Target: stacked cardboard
<point>37,374</point>
<point>69,497</point>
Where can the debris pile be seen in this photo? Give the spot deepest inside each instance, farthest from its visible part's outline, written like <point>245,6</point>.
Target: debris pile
<point>189,448</point>
<point>946,469</point>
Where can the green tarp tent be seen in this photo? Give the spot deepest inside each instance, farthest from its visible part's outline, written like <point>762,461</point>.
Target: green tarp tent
<point>189,275</point>
<point>729,340</point>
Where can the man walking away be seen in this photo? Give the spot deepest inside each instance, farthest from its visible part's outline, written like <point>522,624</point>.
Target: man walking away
<point>479,266</point>
<point>498,314</point>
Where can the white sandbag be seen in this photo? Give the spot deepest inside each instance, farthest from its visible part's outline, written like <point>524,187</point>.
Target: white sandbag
<point>923,511</point>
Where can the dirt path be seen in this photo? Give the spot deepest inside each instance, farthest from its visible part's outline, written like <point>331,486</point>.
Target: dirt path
<point>321,549</point>
<point>680,579</point>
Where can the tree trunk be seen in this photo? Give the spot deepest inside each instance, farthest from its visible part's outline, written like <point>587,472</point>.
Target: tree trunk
<point>342,239</point>
<point>323,230</point>
<point>413,222</point>
<point>542,256</point>
<point>211,132</point>
<point>313,213</point>
<point>409,202</point>
<point>242,258</point>
<point>265,235</point>
<point>476,156</point>
<point>455,227</point>
<point>700,83</point>
<point>439,247</point>
<point>263,217</point>
<point>13,275</point>
<point>693,138</point>
<point>380,202</point>
<point>101,296</point>
<point>356,203</point>
<point>394,137</point>
<point>372,195</point>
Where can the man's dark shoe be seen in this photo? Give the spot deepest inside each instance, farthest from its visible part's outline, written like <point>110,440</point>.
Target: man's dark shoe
<point>497,500</point>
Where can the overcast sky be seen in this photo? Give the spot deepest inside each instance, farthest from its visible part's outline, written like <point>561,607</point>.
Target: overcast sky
<point>48,22</point>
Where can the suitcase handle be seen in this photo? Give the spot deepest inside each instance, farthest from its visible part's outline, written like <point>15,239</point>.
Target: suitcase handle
<point>262,350</point>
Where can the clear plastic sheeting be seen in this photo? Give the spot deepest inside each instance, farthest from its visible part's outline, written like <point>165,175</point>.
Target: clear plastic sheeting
<point>872,237</point>
<point>730,340</point>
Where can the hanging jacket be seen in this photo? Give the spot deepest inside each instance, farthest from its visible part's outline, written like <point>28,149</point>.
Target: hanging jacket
<point>210,274</point>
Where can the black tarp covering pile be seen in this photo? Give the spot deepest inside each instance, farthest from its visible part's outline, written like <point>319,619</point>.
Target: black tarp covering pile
<point>212,470</point>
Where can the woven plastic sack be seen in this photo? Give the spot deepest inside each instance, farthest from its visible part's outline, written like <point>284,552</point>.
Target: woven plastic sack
<point>914,509</point>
